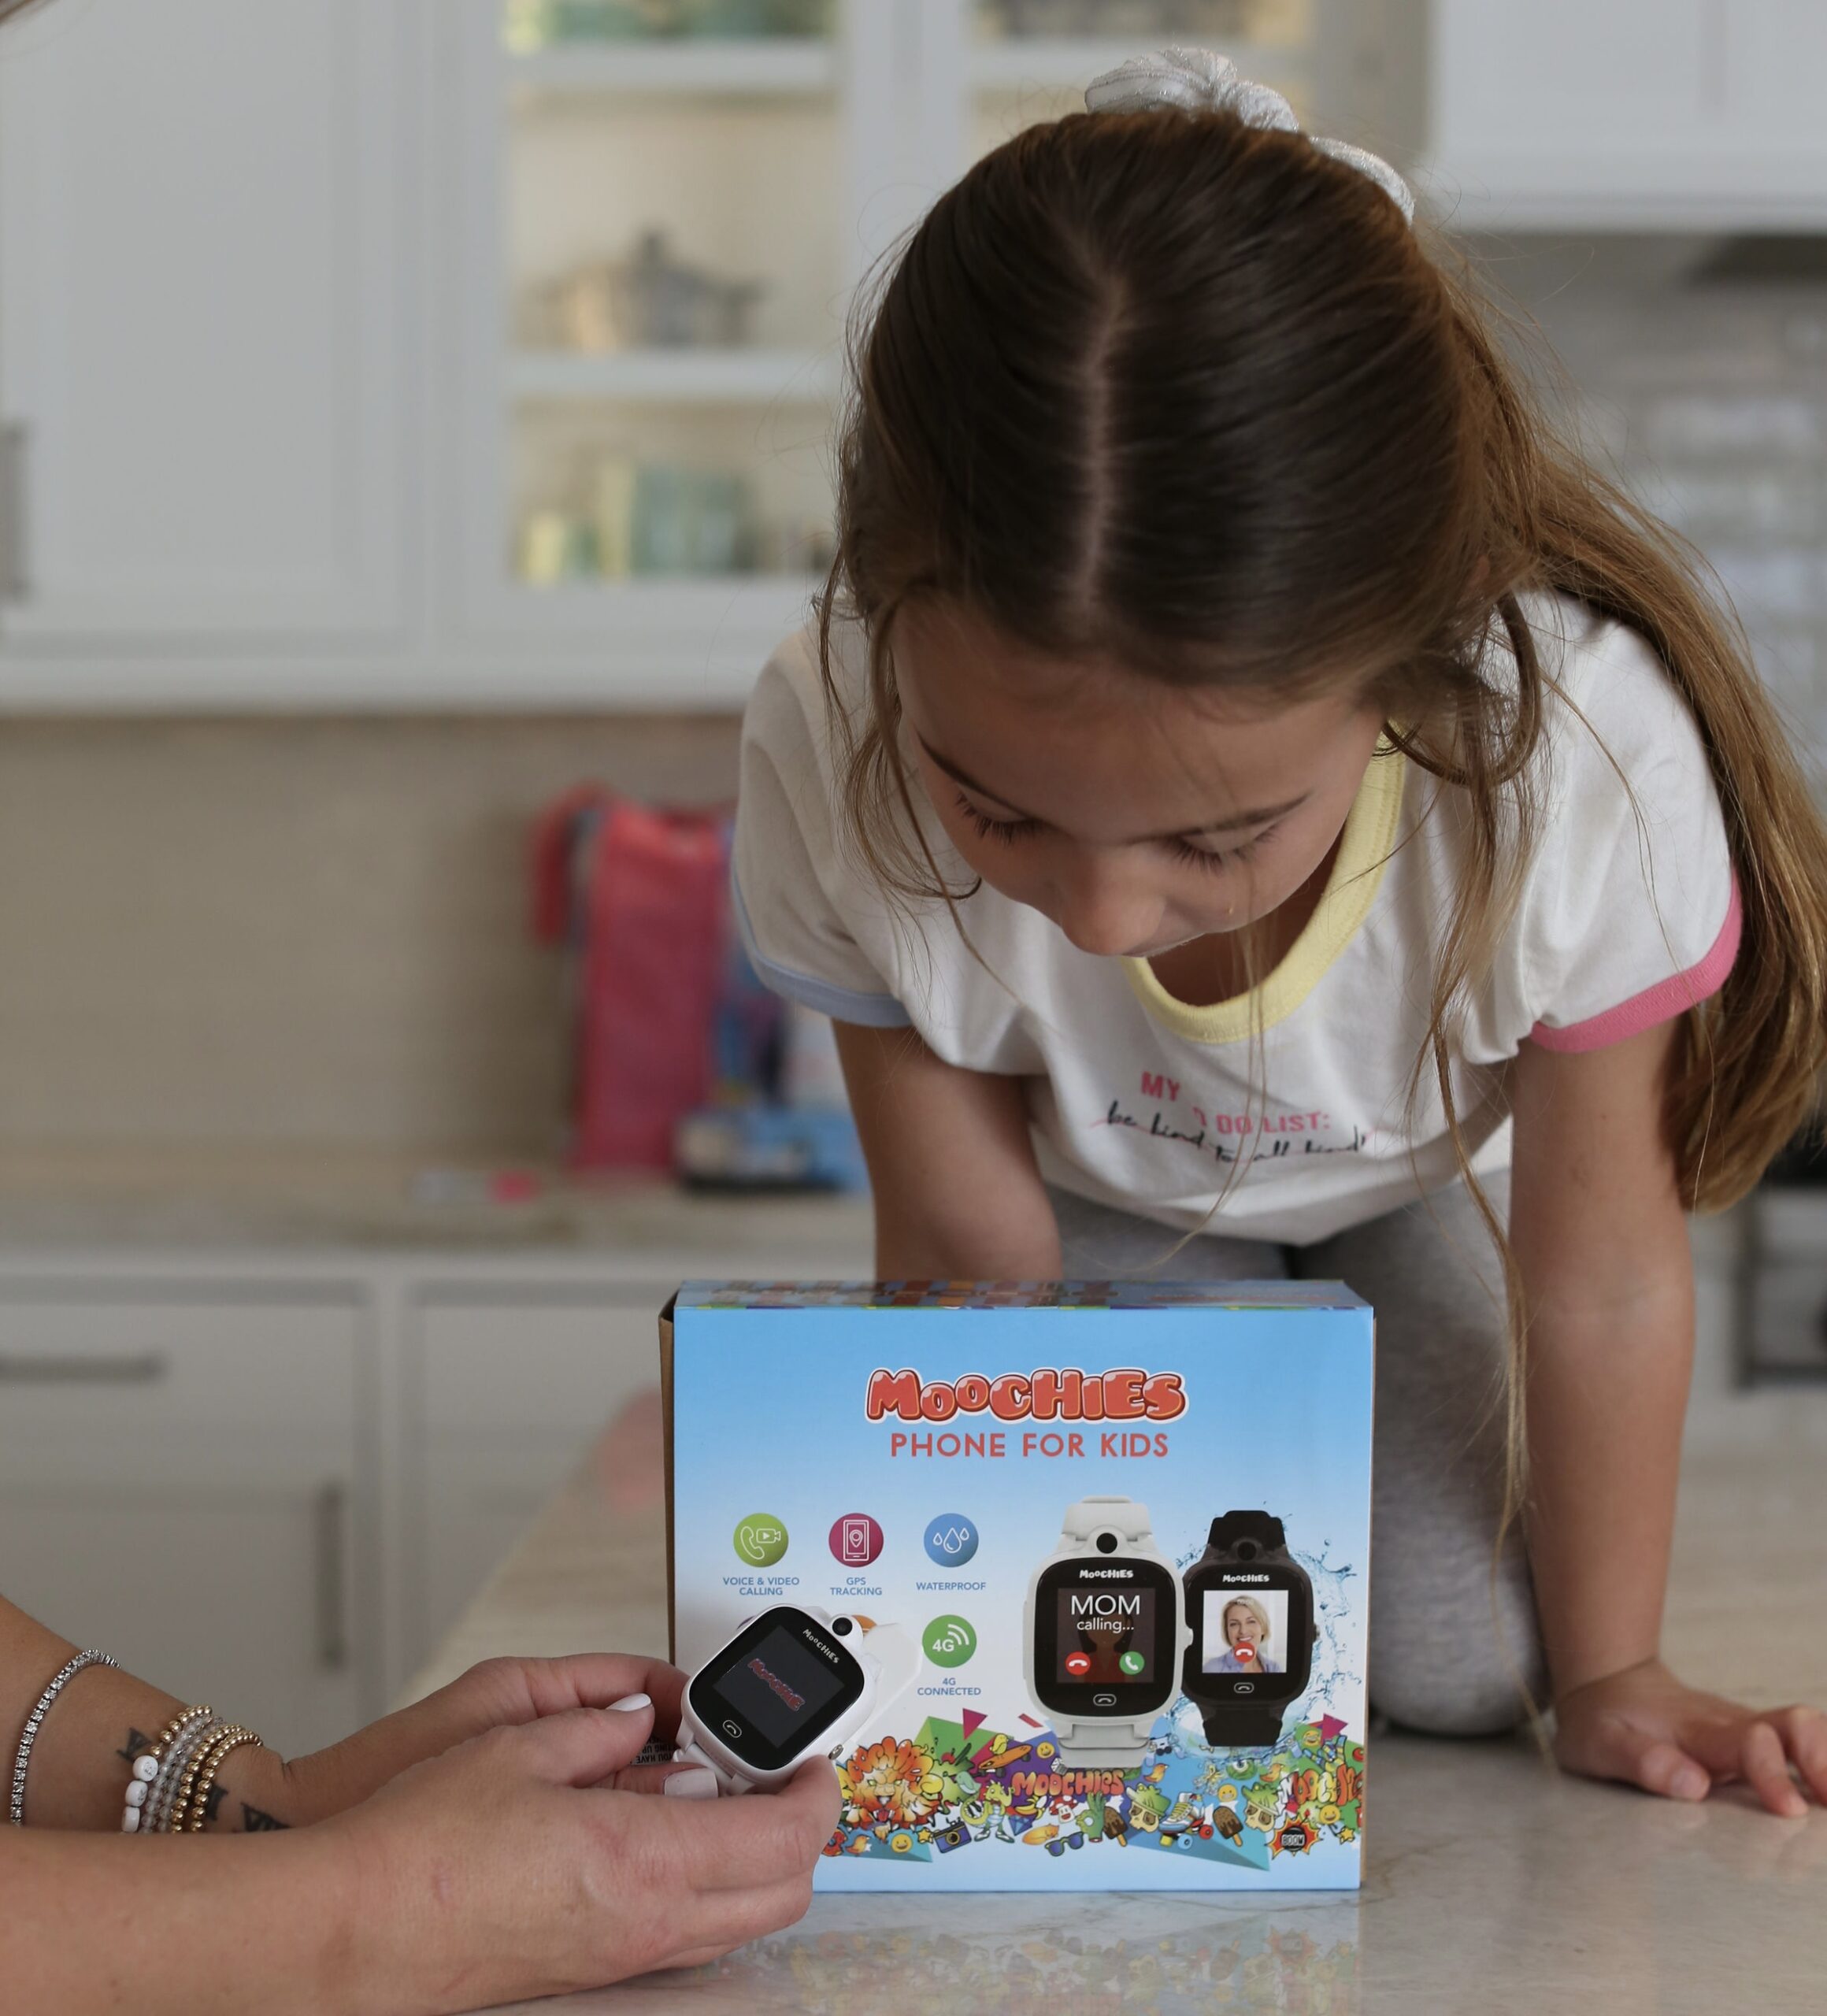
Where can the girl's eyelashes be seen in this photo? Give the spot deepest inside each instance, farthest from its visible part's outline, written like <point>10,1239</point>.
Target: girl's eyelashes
<point>1221,857</point>
<point>1008,831</point>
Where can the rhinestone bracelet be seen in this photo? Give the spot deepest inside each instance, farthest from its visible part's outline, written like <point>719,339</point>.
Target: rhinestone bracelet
<point>171,1775</point>
<point>29,1734</point>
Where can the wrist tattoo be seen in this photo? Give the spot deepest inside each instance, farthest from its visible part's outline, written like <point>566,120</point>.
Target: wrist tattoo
<point>254,1821</point>
<point>213,1805</point>
<point>136,1745</point>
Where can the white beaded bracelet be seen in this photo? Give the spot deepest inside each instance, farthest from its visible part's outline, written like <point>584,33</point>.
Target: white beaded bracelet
<point>153,1771</point>
<point>41,1708</point>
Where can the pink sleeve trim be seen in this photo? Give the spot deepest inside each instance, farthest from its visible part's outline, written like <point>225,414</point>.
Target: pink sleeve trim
<point>1655,1005</point>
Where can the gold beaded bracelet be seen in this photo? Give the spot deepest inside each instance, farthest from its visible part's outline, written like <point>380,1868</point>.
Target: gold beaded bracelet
<point>186,1802</point>
<point>230,1740</point>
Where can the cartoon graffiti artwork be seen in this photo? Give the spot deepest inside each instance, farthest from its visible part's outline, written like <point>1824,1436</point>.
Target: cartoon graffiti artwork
<point>940,1790</point>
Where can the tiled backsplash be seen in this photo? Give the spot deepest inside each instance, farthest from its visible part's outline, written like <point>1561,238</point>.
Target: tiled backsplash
<point>1702,371</point>
<point>292,930</point>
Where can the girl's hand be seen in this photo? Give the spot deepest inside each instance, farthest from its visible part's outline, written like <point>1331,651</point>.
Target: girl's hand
<point>497,1693</point>
<point>1643,1726</point>
<point>502,1869</point>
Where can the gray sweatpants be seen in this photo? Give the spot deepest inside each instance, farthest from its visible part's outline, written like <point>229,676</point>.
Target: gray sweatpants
<point>1443,1658</point>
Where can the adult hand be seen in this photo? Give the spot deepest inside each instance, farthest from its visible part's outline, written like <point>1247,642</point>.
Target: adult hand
<point>505,1868</point>
<point>1645,1726</point>
<point>504,1692</point>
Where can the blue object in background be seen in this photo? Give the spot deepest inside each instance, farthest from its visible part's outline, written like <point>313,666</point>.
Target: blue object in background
<point>769,1147</point>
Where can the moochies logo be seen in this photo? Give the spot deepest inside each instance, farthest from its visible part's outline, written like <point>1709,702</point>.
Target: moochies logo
<point>1047,1394</point>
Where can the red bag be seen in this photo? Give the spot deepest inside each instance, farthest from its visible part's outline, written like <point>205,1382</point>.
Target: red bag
<point>644,895</point>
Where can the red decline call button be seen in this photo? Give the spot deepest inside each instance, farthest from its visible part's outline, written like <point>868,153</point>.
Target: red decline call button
<point>1078,1664</point>
<point>1246,1652</point>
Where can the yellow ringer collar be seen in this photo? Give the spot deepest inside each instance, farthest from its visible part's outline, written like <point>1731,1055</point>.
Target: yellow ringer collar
<point>1364,851</point>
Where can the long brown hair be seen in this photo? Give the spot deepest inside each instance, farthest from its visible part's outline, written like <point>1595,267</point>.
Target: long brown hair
<point>1187,396</point>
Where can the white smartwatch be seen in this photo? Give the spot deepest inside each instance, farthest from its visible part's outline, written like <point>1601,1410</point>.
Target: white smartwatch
<point>1103,1634</point>
<point>794,1683</point>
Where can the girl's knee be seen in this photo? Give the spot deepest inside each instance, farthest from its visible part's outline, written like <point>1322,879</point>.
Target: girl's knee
<point>1488,1697</point>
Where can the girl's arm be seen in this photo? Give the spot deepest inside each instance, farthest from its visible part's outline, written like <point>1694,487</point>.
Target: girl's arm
<point>1597,1229</point>
<point>958,1194</point>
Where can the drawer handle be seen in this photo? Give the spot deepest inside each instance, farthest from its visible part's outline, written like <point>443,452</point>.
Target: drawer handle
<point>44,1368</point>
<point>332,1637</point>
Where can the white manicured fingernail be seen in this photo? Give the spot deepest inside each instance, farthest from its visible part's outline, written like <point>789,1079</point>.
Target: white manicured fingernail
<point>697,1783</point>
<point>630,1703</point>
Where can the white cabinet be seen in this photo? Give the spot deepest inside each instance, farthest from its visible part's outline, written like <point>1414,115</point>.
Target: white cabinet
<point>505,1390</point>
<point>204,244</point>
<point>179,1485</point>
<point>1688,114</point>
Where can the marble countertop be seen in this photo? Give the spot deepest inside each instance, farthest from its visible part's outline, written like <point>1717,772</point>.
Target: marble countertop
<point>1491,1883</point>
<point>300,1200</point>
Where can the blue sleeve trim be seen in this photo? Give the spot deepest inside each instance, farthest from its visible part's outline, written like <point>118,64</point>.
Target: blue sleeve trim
<point>842,1004</point>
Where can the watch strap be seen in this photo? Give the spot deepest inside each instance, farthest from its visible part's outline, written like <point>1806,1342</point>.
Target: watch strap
<point>1102,1754</point>
<point>898,1657</point>
<point>1263,1528</point>
<point>1124,1516</point>
<point>728,1782</point>
<point>1243,1727</point>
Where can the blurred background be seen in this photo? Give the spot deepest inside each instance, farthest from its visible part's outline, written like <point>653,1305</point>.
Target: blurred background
<point>415,423</point>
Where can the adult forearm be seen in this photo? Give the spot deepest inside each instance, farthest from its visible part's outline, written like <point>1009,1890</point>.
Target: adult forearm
<point>83,1752</point>
<point>187,1927</point>
<point>1607,1393</point>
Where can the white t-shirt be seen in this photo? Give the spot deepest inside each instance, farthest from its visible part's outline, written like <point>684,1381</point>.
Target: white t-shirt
<point>1294,1106</point>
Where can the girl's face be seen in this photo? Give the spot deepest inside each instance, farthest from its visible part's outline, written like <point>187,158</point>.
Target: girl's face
<point>1135,816</point>
<point>1241,1627</point>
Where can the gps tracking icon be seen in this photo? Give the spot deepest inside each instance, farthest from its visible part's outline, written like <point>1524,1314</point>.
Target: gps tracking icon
<point>951,1539</point>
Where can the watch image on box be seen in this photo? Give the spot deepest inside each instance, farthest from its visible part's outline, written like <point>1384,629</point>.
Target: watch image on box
<point>1102,1635</point>
<point>1249,1608</point>
<point>793,1683</point>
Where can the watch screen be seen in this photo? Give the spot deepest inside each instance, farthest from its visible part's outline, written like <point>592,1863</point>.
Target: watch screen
<point>775,1689</point>
<point>1245,1631</point>
<point>1252,1629</point>
<point>1106,1632</point>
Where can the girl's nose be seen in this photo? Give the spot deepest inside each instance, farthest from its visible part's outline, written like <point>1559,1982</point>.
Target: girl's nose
<point>1108,911</point>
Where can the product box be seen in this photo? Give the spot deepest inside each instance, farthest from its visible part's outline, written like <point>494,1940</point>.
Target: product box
<point>1119,1531</point>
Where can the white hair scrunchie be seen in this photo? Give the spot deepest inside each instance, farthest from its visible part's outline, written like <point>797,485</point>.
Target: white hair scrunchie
<point>1195,80</point>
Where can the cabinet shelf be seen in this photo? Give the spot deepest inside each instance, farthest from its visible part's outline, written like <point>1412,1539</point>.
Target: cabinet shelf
<point>777,67</point>
<point>1048,63</point>
<point>678,377</point>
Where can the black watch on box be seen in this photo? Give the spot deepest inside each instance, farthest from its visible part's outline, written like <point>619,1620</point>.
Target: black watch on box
<point>1249,1606</point>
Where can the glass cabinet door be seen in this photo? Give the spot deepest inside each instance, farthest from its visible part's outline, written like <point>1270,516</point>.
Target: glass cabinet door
<point>662,241</point>
<point>1029,60</point>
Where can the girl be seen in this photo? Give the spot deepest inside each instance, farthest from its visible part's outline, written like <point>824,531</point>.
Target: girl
<point>1256,802</point>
